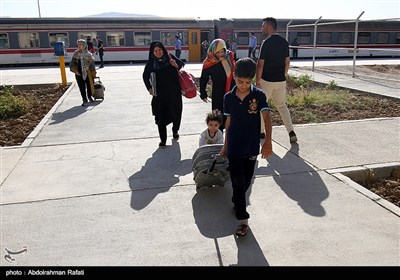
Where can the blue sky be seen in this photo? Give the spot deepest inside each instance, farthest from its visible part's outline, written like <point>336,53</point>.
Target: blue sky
<point>328,9</point>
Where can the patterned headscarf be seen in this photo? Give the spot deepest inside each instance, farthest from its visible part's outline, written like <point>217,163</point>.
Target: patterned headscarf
<point>212,59</point>
<point>85,56</point>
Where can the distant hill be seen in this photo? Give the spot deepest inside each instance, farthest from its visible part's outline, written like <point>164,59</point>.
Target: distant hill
<point>115,14</point>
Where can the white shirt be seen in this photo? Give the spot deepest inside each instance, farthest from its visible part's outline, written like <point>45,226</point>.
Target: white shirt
<point>206,139</point>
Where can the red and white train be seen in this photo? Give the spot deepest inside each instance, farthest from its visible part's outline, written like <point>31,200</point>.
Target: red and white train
<point>31,40</point>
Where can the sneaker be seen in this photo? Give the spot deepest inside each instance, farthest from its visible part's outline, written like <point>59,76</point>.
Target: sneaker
<point>91,99</point>
<point>292,137</point>
<point>162,144</point>
<point>176,135</point>
<point>262,135</point>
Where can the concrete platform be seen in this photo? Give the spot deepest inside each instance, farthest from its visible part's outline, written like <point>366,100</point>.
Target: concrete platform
<point>93,188</point>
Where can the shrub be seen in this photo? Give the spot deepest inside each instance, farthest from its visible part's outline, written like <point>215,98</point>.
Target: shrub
<point>291,81</point>
<point>304,81</point>
<point>11,106</point>
<point>332,85</point>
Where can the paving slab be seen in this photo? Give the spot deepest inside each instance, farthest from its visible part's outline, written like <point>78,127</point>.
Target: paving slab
<point>349,143</point>
<point>9,157</point>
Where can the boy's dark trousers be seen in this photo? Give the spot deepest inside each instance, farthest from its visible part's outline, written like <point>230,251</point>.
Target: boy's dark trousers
<point>82,87</point>
<point>241,171</point>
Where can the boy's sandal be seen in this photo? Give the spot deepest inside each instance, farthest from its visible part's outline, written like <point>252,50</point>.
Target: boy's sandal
<point>242,230</point>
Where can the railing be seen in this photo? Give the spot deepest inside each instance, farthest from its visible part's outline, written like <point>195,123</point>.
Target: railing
<point>315,47</point>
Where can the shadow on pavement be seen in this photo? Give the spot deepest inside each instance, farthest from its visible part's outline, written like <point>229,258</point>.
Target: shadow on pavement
<point>305,186</point>
<point>215,218</point>
<point>249,251</point>
<point>158,175</point>
<point>71,113</point>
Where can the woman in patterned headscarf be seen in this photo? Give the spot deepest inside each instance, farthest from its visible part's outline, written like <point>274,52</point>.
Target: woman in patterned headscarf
<point>160,77</point>
<point>82,64</point>
<point>218,66</point>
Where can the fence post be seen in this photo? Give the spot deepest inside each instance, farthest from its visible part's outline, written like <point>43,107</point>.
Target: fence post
<point>355,45</point>
<point>315,42</point>
<point>287,30</point>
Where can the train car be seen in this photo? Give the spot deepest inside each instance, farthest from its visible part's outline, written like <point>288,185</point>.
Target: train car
<point>31,41</point>
<point>375,38</point>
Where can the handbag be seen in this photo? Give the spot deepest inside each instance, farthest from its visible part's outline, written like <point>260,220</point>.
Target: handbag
<point>187,83</point>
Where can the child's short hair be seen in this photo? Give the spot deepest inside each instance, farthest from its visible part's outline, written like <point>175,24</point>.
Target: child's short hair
<point>245,68</point>
<point>215,115</point>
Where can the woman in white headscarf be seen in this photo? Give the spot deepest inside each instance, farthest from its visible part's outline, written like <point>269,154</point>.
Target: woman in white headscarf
<point>82,64</point>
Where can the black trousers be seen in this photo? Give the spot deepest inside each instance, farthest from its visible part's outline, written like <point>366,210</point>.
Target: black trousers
<point>241,171</point>
<point>162,129</point>
<point>217,102</point>
<point>252,53</point>
<point>83,84</point>
<point>178,53</point>
<point>101,54</point>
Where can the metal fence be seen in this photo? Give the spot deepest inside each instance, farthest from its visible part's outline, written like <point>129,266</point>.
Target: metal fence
<point>315,47</point>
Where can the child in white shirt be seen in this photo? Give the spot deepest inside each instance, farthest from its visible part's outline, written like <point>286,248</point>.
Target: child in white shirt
<point>212,135</point>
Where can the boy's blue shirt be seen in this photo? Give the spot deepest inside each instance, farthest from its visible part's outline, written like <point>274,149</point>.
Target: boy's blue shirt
<point>244,129</point>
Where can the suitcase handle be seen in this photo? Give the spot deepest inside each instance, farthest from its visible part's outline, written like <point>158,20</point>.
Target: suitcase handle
<point>212,165</point>
<point>216,157</point>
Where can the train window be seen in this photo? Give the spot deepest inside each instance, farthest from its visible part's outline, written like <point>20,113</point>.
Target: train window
<point>4,44</point>
<point>194,38</point>
<point>344,38</point>
<point>304,37</point>
<point>58,37</point>
<point>242,38</point>
<point>398,38</point>
<point>85,34</point>
<point>142,38</point>
<point>382,38</point>
<point>115,39</point>
<point>324,38</point>
<point>168,38</point>
<point>185,38</point>
<point>28,40</point>
<point>364,37</point>
<point>259,37</point>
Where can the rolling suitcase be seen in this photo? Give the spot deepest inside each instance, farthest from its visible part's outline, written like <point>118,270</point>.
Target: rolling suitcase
<point>209,168</point>
<point>98,89</point>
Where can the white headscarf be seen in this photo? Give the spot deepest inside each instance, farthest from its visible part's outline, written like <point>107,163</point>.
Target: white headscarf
<point>85,56</point>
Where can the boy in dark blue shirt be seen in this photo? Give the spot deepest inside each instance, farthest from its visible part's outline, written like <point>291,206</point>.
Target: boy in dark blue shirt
<point>242,107</point>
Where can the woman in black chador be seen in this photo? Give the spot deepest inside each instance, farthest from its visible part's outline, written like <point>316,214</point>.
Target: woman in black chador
<point>160,77</point>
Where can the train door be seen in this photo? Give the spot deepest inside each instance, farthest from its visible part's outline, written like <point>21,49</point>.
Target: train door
<point>205,36</point>
<point>194,45</point>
